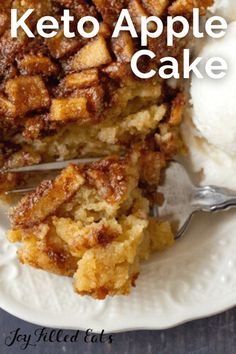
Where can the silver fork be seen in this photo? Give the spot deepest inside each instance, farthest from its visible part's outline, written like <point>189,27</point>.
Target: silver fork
<point>44,167</point>
<point>182,199</point>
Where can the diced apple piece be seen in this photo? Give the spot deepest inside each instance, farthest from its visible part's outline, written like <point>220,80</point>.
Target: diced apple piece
<point>92,55</point>
<point>35,65</point>
<point>136,11</point>
<point>60,46</point>
<point>123,47</point>
<point>82,79</point>
<point>180,7</point>
<point>155,7</point>
<point>65,109</point>
<point>27,93</point>
<point>118,70</point>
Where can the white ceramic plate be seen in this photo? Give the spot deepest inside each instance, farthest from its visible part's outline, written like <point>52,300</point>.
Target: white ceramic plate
<point>195,278</point>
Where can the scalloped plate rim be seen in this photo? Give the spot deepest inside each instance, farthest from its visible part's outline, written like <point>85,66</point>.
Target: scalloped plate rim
<point>25,316</point>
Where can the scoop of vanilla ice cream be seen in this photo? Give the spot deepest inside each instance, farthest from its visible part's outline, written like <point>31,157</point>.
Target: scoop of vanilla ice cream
<point>214,101</point>
<point>210,165</point>
<point>225,8</point>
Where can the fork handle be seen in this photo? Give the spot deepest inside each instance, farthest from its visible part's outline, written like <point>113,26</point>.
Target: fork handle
<point>212,198</point>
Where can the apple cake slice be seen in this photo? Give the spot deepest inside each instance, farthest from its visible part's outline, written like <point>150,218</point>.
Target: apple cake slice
<point>92,222</point>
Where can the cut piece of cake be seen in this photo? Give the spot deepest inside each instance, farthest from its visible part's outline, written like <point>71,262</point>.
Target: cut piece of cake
<point>92,222</point>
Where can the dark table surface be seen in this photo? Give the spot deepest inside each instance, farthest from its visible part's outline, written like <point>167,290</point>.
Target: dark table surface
<point>215,335</point>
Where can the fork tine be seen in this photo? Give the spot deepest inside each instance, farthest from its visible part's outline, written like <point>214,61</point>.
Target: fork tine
<point>20,190</point>
<point>51,166</point>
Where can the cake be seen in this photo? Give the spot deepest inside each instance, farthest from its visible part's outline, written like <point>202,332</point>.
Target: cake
<point>62,99</point>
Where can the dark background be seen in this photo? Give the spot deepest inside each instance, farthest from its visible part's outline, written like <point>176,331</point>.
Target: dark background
<point>215,335</point>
